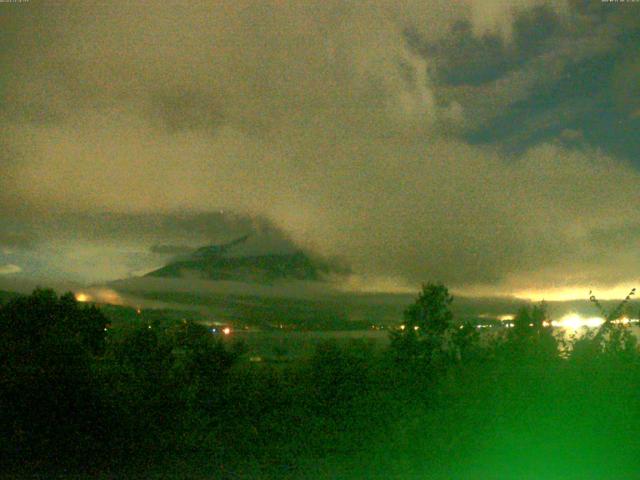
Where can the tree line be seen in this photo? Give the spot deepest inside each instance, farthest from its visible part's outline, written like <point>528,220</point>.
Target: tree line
<point>78,396</point>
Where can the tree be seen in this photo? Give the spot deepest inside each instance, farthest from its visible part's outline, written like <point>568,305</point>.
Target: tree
<point>424,335</point>
<point>614,337</point>
<point>48,400</point>
<point>532,335</point>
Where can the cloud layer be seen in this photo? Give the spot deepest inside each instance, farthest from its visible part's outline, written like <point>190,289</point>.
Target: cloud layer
<point>348,124</point>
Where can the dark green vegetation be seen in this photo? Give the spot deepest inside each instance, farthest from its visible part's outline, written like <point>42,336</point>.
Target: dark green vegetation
<point>170,400</point>
<point>6,296</point>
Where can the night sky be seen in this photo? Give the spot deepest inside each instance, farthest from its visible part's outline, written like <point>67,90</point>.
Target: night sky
<point>491,145</point>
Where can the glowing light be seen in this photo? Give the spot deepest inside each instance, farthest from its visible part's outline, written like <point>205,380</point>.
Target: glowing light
<point>575,321</point>
<point>82,297</point>
<point>99,295</point>
<point>503,318</point>
<point>402,327</point>
<point>416,327</point>
<point>226,330</point>
<point>593,322</point>
<point>622,321</point>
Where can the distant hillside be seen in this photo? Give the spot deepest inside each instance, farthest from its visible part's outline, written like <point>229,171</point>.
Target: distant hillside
<point>254,268</point>
<point>246,260</point>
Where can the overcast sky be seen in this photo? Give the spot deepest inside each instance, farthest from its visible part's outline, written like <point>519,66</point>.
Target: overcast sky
<point>487,144</point>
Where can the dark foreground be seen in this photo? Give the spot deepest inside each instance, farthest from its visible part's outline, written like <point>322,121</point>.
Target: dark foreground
<point>171,401</point>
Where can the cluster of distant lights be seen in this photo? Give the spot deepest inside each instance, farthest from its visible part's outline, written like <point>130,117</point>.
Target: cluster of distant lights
<point>575,321</point>
<point>224,330</point>
<point>404,327</point>
<point>83,297</point>
<point>571,321</point>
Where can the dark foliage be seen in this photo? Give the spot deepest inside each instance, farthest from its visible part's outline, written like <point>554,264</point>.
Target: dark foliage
<point>531,338</point>
<point>424,337</point>
<point>49,401</point>
<point>174,401</point>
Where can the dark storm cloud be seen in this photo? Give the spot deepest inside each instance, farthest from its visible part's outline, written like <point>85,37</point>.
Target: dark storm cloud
<point>556,70</point>
<point>463,57</point>
<point>326,119</point>
<point>103,246</point>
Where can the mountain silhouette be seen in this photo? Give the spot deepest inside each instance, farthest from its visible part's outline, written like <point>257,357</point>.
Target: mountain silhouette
<point>220,262</point>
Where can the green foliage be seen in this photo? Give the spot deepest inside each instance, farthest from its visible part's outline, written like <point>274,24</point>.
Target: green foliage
<point>431,312</point>
<point>158,380</point>
<point>613,339</point>
<point>155,391</point>
<point>69,388</point>
<point>26,320</point>
<point>466,340</point>
<point>532,336</point>
<point>423,336</point>
<point>48,399</point>
<point>617,312</point>
<point>138,385</point>
<point>338,375</point>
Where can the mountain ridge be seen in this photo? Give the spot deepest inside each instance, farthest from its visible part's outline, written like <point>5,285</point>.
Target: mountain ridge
<point>218,262</point>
